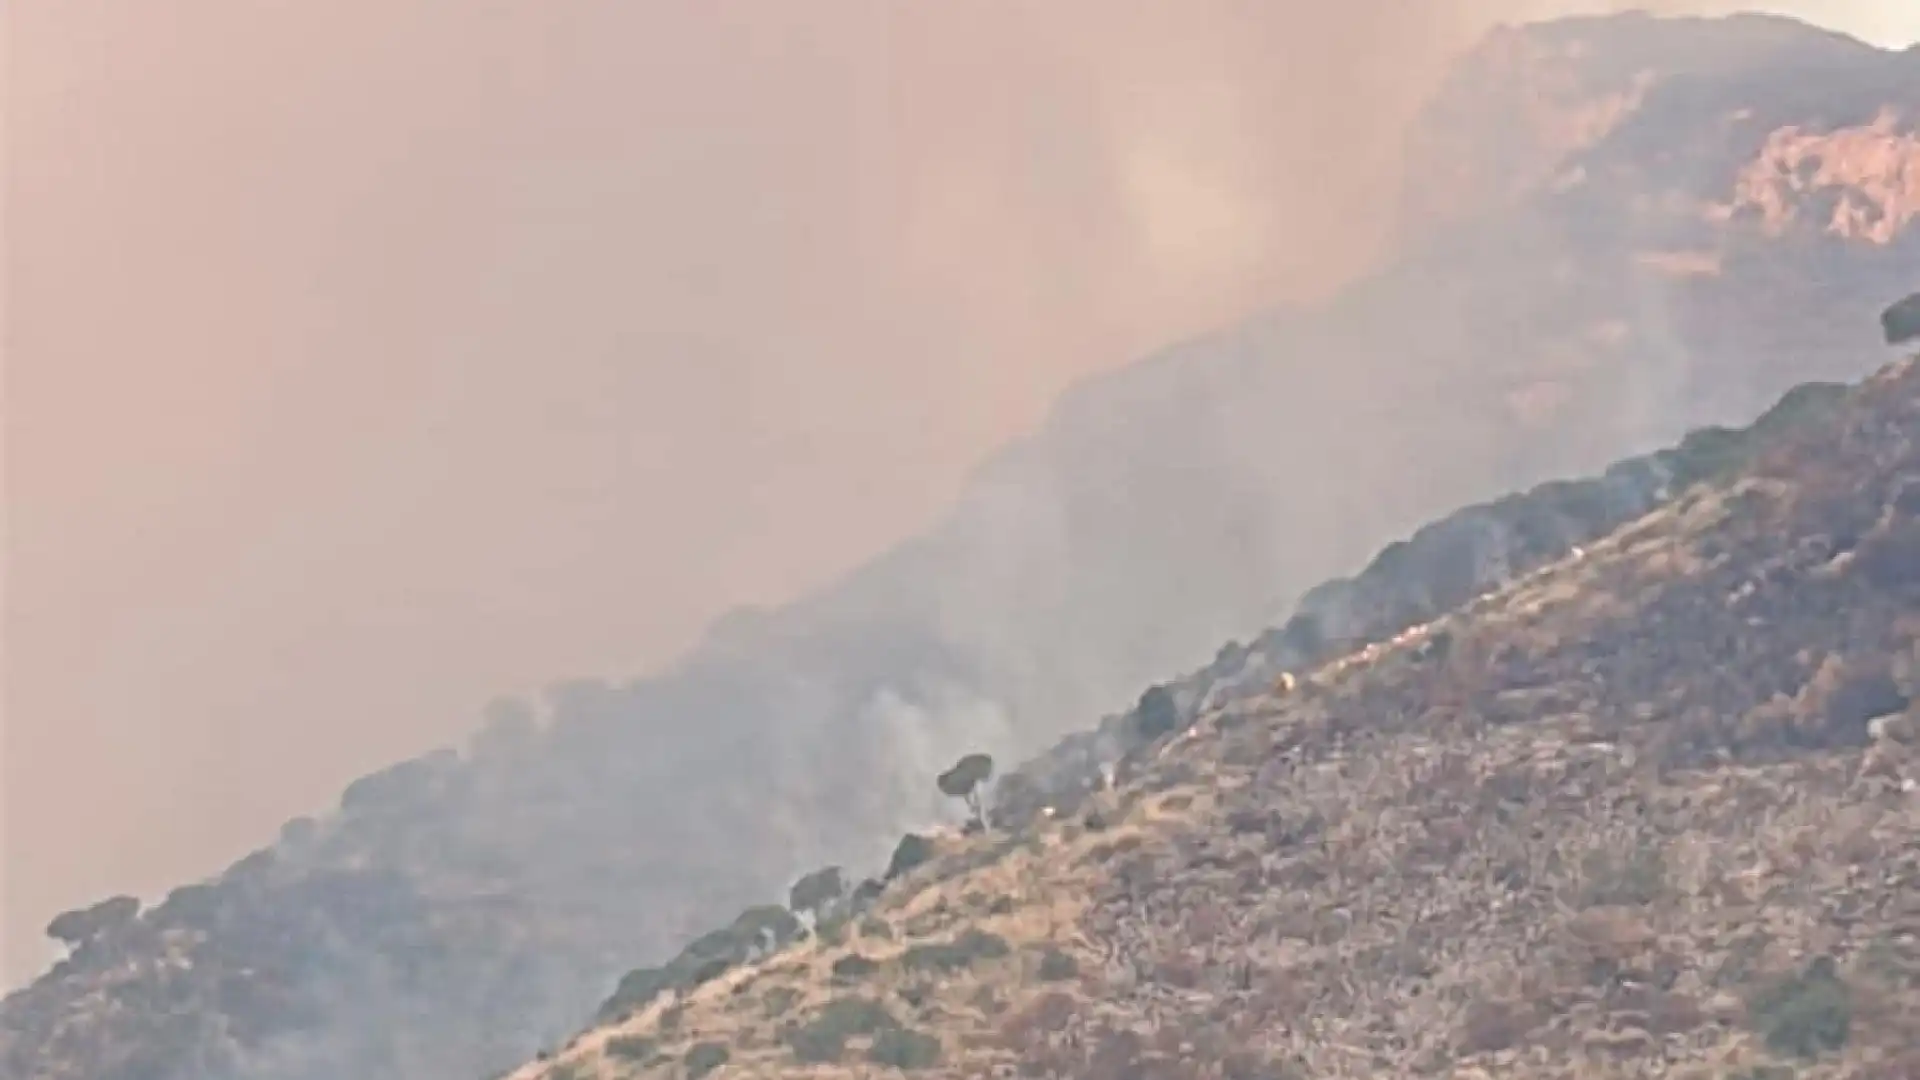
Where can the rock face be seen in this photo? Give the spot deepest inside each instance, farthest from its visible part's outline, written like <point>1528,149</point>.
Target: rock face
<point>1652,809</point>
<point>1717,236</point>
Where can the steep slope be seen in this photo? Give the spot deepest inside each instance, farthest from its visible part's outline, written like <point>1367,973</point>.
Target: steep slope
<point>461,909</point>
<point>1653,809</point>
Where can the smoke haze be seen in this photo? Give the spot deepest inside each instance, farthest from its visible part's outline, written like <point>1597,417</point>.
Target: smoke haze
<point>367,359</point>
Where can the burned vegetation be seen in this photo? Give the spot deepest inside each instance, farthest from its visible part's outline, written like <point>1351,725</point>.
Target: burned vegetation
<point>1651,808</point>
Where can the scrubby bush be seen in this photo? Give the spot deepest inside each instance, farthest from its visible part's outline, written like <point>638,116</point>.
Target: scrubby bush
<point>1864,692</point>
<point>778,1000</point>
<point>905,1049</point>
<point>912,850</point>
<point>636,989</point>
<point>853,967</point>
<point>1763,1072</point>
<point>756,931</point>
<point>76,927</point>
<point>1900,322</point>
<point>633,1048</point>
<point>824,1039</point>
<point>817,892</point>
<point>1156,714</point>
<point>1057,966</point>
<point>832,930</point>
<point>1635,879</point>
<point>703,1058</point>
<point>956,955</point>
<point>1807,1014</point>
<point>866,894</point>
<point>1892,560</point>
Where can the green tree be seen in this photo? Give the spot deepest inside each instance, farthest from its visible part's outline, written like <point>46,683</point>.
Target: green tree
<point>1157,712</point>
<point>912,850</point>
<point>817,892</point>
<point>963,782</point>
<point>76,927</point>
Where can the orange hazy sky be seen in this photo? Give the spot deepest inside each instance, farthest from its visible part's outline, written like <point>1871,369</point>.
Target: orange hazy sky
<point>367,358</point>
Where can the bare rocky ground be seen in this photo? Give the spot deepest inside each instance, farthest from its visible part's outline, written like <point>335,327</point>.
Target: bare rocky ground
<point>1650,810</point>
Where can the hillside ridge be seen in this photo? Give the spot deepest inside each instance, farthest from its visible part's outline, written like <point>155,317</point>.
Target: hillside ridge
<point>1650,808</point>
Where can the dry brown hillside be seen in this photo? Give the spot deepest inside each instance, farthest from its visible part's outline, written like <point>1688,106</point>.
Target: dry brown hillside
<point>1653,810</point>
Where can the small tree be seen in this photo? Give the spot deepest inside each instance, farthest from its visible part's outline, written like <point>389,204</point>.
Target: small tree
<point>1157,712</point>
<point>912,850</point>
<point>75,928</point>
<point>963,782</point>
<point>817,892</point>
<point>1901,322</point>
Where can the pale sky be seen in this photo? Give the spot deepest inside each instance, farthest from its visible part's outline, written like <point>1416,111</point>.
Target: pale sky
<point>365,359</point>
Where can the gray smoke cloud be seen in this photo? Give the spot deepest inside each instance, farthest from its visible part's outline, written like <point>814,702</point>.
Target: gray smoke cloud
<point>366,359</point>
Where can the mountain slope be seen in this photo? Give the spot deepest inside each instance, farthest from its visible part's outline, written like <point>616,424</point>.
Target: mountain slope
<point>1732,234</point>
<point>1507,118</point>
<point>1651,810</point>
